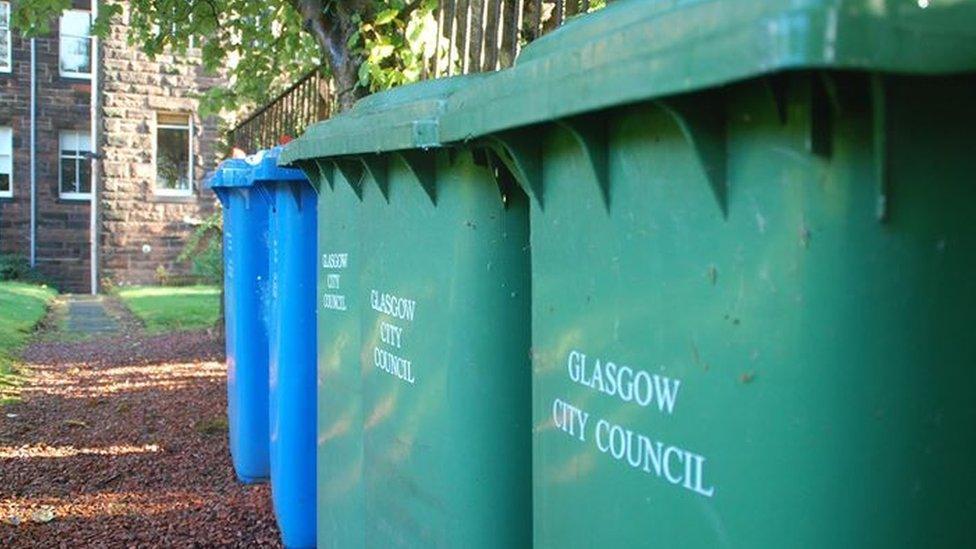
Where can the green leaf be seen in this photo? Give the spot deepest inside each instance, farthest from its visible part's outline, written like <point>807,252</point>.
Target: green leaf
<point>259,48</point>
<point>385,16</point>
<point>105,14</point>
<point>364,70</point>
<point>381,51</point>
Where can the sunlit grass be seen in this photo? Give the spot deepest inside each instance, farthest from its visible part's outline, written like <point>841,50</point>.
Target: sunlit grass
<point>22,306</point>
<point>165,309</point>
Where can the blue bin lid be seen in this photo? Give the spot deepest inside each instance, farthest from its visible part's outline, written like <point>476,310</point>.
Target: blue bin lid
<point>257,168</point>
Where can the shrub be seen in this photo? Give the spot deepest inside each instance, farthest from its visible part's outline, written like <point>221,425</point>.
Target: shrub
<point>13,267</point>
<point>204,249</point>
<point>17,267</point>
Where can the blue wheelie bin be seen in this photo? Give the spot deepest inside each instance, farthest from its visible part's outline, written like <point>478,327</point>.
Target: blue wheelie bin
<point>292,342</point>
<point>245,281</point>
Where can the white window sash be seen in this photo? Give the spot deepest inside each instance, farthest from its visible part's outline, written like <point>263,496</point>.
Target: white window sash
<point>9,193</point>
<point>61,40</point>
<point>6,62</point>
<point>79,157</point>
<point>7,153</point>
<point>178,193</point>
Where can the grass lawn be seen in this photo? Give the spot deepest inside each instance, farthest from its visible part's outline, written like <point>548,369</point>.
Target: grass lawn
<point>164,309</point>
<point>21,307</point>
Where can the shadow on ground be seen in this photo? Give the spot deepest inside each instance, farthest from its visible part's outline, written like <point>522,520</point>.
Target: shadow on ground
<point>121,441</point>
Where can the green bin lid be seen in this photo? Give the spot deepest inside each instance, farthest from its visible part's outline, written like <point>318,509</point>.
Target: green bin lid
<point>637,50</point>
<point>398,119</point>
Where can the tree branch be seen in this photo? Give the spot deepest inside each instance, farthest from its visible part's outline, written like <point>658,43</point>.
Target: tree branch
<point>332,34</point>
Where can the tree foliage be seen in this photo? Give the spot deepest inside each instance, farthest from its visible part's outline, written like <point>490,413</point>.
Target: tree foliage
<point>263,46</point>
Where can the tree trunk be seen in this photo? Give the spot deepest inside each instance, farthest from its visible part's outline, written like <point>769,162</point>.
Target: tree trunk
<point>332,32</point>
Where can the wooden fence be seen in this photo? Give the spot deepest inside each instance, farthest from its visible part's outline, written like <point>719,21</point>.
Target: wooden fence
<point>473,36</point>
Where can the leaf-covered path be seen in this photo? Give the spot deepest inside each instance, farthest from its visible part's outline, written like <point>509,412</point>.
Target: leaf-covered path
<point>121,441</point>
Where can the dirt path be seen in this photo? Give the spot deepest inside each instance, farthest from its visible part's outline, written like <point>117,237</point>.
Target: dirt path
<point>120,441</point>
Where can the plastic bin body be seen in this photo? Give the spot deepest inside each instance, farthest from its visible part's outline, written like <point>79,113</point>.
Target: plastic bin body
<point>292,344</point>
<point>245,281</point>
<point>438,444</point>
<point>445,297</point>
<point>807,367</point>
<point>753,300</point>
<point>340,520</point>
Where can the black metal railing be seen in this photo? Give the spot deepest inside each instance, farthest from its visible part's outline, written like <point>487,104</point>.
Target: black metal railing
<point>474,36</point>
<point>305,102</point>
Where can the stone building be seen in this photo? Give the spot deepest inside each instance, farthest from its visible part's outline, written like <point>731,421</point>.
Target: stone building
<point>153,151</point>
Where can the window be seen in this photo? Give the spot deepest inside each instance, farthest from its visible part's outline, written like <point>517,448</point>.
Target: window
<point>75,166</point>
<point>5,45</point>
<point>76,44</point>
<point>6,162</point>
<point>174,154</point>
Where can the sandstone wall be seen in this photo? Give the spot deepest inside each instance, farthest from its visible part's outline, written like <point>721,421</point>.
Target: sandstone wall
<point>141,230</point>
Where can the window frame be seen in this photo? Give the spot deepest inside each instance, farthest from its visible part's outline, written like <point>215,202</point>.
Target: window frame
<point>61,37</point>
<point>189,128</point>
<point>7,65</point>
<point>79,157</point>
<point>9,131</point>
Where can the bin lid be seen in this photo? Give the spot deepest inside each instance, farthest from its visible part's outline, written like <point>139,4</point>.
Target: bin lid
<point>636,50</point>
<point>230,173</point>
<point>398,119</point>
<point>257,168</point>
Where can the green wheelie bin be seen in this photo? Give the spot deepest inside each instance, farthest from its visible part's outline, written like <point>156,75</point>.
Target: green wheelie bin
<point>424,368</point>
<point>753,247</point>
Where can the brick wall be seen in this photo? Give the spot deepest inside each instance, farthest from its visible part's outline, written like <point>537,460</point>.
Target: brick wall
<point>139,231</point>
<point>62,104</point>
<point>14,113</point>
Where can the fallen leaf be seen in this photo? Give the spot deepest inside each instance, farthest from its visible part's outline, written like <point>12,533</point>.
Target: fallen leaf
<point>43,515</point>
<point>169,385</point>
